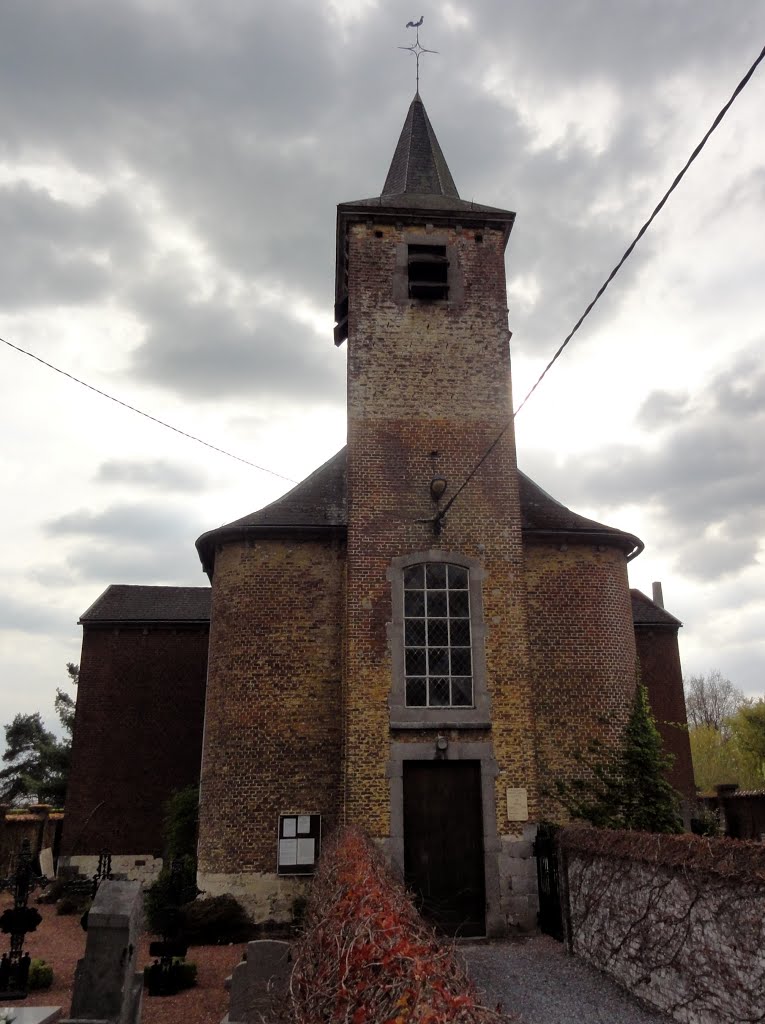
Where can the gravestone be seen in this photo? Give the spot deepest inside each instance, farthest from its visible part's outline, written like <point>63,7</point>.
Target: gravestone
<point>35,1014</point>
<point>106,984</point>
<point>46,862</point>
<point>259,983</point>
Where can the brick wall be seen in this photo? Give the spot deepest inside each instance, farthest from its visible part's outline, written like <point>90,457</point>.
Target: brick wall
<point>272,725</point>
<point>428,378</point>
<point>582,653</point>
<point>137,735</point>
<point>39,825</point>
<point>662,676</point>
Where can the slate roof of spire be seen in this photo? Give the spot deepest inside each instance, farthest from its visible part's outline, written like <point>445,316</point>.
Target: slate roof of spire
<point>419,177</point>
<point>418,165</point>
<point>318,505</point>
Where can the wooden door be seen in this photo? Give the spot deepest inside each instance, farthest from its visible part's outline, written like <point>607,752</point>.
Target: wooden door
<point>443,843</point>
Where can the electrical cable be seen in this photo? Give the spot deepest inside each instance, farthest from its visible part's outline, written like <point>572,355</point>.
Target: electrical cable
<point>441,514</point>
<point>148,416</point>
<point>627,253</point>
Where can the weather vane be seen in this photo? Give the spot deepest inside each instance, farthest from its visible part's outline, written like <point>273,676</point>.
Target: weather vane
<point>416,49</point>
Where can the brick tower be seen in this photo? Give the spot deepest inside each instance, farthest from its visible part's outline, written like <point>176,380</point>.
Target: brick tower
<point>416,639</point>
<point>416,633</point>
<point>437,684</point>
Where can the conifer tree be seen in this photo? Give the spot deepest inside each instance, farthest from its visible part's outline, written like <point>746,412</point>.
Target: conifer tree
<point>626,786</point>
<point>649,803</point>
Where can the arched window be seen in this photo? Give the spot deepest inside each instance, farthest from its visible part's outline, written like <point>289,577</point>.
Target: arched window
<point>438,664</point>
<point>437,642</point>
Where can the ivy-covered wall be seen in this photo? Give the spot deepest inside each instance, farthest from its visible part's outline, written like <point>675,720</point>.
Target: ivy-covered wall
<point>679,920</point>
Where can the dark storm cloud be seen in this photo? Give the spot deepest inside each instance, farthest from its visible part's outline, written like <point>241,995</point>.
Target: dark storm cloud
<point>249,128</point>
<point>154,474</point>
<point>129,543</point>
<point>123,524</point>
<point>661,408</point>
<point>251,122</point>
<point>704,481</point>
<point>55,252</point>
<point>627,42</point>
<point>205,350</point>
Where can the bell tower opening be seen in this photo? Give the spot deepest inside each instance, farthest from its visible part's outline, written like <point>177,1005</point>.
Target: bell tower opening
<point>428,272</point>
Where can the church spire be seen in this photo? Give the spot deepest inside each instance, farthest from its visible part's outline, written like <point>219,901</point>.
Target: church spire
<point>418,166</point>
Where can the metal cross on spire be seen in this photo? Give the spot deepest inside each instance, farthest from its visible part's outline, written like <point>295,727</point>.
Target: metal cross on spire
<point>416,48</point>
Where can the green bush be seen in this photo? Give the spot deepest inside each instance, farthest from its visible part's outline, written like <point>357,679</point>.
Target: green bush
<point>707,823</point>
<point>186,973</point>
<point>73,905</point>
<point>183,976</point>
<point>299,906</point>
<point>214,921</point>
<point>40,975</point>
<point>181,823</point>
<point>163,899</point>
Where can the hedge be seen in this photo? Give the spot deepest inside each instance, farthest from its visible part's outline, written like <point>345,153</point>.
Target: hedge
<point>716,857</point>
<point>367,957</point>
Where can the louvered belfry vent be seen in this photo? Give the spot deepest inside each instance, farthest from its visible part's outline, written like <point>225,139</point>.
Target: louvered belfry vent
<point>428,268</point>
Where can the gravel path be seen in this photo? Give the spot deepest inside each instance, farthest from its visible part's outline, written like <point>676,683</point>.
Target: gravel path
<point>537,980</point>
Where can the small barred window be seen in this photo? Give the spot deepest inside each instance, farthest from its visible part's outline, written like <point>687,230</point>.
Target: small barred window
<point>428,267</point>
<point>437,642</point>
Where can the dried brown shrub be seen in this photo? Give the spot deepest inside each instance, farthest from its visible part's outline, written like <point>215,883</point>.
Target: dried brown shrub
<point>723,858</point>
<point>366,956</point>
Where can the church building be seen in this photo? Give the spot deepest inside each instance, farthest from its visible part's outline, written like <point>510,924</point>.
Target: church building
<point>417,639</point>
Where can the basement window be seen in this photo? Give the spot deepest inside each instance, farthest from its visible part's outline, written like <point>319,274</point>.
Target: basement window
<point>299,843</point>
<point>428,270</point>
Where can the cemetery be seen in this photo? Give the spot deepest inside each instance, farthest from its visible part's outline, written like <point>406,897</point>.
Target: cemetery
<point>318,789</point>
<point>675,920</point>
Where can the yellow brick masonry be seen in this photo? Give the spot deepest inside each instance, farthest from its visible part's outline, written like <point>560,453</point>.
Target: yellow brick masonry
<point>272,725</point>
<point>426,378</point>
<point>583,657</point>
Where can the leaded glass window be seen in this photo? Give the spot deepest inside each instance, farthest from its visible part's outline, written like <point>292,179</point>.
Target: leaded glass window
<point>437,642</point>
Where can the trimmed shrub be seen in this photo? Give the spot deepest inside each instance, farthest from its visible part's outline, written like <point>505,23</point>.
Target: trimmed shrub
<point>184,975</point>
<point>40,975</point>
<point>366,956</point>
<point>163,899</point>
<point>299,907</point>
<point>215,920</point>
<point>181,823</point>
<point>73,905</point>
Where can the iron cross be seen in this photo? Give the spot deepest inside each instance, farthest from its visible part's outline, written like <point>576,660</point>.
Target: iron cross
<point>416,48</point>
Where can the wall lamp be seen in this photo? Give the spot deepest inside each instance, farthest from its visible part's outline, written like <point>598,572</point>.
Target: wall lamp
<point>437,487</point>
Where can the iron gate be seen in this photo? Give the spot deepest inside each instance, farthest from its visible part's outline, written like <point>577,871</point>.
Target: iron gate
<point>548,881</point>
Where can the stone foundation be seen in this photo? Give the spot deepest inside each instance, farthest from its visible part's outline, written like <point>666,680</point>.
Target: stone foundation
<point>265,897</point>
<point>519,894</point>
<point>135,867</point>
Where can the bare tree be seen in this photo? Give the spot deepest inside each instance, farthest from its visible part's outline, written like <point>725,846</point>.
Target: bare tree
<point>711,700</point>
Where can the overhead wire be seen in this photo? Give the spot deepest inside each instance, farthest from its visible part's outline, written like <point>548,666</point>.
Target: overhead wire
<point>439,516</point>
<point>148,416</point>
<point>442,513</point>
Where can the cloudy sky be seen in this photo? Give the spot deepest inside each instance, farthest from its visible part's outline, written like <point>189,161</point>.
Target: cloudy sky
<point>169,171</point>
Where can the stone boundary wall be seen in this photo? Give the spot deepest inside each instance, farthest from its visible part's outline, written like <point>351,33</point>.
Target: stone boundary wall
<point>677,920</point>
<point>38,823</point>
<point>143,868</point>
<point>742,812</point>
